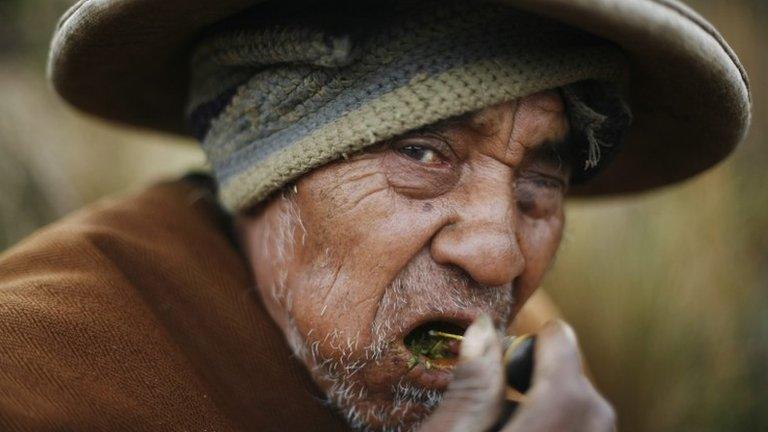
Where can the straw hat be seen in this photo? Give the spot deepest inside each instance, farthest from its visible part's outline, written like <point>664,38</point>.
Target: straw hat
<point>128,61</point>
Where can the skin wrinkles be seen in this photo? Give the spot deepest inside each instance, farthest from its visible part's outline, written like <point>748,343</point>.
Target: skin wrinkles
<point>457,219</point>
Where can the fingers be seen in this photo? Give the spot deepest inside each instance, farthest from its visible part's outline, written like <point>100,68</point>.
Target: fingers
<point>474,398</point>
<point>561,397</point>
<point>557,352</point>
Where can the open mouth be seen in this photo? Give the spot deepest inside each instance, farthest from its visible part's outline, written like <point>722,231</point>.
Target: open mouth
<point>434,344</point>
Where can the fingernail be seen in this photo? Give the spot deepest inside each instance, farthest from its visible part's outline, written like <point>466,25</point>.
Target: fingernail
<point>559,325</point>
<point>569,332</point>
<point>477,338</point>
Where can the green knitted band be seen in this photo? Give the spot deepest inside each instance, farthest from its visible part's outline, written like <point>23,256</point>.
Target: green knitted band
<point>306,97</point>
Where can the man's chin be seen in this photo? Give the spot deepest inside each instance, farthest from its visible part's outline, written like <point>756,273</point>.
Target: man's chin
<point>396,397</point>
<point>408,407</point>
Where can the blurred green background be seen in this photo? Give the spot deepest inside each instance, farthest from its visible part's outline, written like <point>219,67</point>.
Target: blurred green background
<point>668,290</point>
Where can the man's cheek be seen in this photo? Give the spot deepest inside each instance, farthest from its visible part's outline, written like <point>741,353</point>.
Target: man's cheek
<point>335,191</point>
<point>335,307</point>
<point>539,246</point>
<point>334,230</point>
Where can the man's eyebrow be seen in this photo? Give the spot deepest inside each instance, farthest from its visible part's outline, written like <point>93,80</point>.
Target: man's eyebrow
<point>555,152</point>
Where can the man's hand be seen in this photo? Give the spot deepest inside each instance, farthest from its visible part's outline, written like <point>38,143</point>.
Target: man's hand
<point>561,398</point>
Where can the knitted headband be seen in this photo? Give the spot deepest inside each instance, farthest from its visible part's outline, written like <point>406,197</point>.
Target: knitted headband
<point>272,101</point>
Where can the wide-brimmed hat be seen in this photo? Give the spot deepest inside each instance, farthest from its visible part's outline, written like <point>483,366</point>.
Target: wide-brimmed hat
<point>128,61</point>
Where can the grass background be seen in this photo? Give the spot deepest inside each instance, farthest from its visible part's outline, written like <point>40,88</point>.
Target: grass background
<point>667,290</point>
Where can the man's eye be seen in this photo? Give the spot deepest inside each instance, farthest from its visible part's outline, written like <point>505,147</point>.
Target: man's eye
<point>539,196</point>
<point>541,180</point>
<point>547,182</point>
<point>422,154</point>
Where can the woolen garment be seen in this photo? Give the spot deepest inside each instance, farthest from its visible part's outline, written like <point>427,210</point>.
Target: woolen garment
<point>139,314</point>
<point>273,98</point>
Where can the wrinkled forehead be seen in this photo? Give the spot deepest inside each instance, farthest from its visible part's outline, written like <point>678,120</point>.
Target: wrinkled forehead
<point>534,126</point>
<point>543,113</point>
<point>580,125</point>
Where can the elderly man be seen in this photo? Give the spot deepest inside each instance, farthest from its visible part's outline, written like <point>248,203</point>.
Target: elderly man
<point>388,172</point>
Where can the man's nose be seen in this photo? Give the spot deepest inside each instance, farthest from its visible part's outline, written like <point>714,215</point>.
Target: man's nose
<point>481,239</point>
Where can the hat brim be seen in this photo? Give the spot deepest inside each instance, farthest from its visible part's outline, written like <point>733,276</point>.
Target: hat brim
<point>127,61</point>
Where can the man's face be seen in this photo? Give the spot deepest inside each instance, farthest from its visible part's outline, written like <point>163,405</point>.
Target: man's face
<point>426,231</point>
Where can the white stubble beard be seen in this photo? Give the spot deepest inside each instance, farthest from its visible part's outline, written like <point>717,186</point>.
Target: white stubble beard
<point>438,290</point>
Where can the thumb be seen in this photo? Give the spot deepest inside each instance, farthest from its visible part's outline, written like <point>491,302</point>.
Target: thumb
<point>473,401</point>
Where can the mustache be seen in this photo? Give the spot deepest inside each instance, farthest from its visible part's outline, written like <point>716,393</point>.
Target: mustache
<point>425,287</point>
<point>432,287</point>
